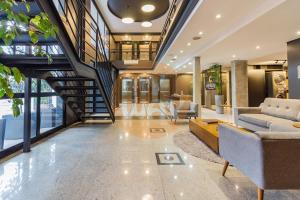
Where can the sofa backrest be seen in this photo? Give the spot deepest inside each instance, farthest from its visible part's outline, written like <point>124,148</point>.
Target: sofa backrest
<point>183,105</point>
<point>283,108</point>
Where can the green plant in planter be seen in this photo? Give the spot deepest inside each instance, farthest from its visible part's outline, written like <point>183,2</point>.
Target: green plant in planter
<point>217,77</point>
<point>15,24</point>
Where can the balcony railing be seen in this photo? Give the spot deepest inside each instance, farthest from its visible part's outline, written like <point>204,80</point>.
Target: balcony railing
<point>142,55</point>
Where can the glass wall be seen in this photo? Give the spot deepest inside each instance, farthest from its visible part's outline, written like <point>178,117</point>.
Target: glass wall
<point>46,113</point>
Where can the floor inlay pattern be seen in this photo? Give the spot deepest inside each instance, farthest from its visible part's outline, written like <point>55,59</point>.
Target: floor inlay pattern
<point>157,130</point>
<point>169,159</point>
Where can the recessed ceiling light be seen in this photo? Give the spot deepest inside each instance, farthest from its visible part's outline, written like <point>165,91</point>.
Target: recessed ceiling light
<point>146,24</point>
<point>200,33</point>
<point>298,32</point>
<point>257,47</point>
<point>218,16</point>
<point>148,8</point>
<point>175,57</point>
<point>184,66</point>
<point>233,56</point>
<point>189,44</point>
<point>127,20</point>
<point>190,63</point>
<point>181,51</point>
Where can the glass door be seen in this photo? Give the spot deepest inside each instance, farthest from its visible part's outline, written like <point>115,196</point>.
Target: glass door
<point>165,89</point>
<point>127,90</point>
<point>144,90</point>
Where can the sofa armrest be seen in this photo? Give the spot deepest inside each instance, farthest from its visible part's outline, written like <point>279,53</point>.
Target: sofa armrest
<point>281,161</point>
<point>243,150</point>
<point>244,110</point>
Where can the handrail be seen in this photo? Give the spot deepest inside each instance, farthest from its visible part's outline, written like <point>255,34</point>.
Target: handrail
<point>89,44</point>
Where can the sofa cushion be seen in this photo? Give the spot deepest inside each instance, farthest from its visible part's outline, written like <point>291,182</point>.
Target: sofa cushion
<point>185,112</point>
<point>283,108</point>
<point>183,105</point>
<point>257,119</point>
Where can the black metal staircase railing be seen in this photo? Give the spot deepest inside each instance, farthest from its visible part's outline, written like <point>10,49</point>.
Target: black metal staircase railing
<point>89,40</point>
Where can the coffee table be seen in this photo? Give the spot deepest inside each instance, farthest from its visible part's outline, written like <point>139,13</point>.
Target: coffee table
<point>206,132</point>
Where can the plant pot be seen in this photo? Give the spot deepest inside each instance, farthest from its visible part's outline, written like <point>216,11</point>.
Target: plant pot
<point>219,100</point>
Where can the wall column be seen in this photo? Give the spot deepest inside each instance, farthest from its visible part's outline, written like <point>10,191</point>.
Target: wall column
<point>197,83</point>
<point>239,83</point>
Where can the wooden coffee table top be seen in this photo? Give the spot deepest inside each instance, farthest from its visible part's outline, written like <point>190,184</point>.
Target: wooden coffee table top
<point>212,128</point>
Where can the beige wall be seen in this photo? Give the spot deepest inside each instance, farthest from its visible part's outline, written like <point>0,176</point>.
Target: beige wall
<point>184,82</point>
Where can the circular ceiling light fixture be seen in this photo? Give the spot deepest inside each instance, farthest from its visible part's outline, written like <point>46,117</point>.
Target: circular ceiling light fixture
<point>146,24</point>
<point>127,20</point>
<point>298,32</point>
<point>218,16</point>
<point>148,8</point>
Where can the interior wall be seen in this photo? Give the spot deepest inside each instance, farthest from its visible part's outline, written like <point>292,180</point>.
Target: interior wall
<point>293,48</point>
<point>256,86</point>
<point>184,83</point>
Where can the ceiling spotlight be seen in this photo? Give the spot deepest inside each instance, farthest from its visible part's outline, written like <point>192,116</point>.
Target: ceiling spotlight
<point>298,32</point>
<point>146,24</point>
<point>175,57</point>
<point>233,56</point>
<point>257,47</point>
<point>218,16</point>
<point>200,33</point>
<point>127,20</point>
<point>189,44</point>
<point>181,51</point>
<point>148,8</point>
<point>190,63</point>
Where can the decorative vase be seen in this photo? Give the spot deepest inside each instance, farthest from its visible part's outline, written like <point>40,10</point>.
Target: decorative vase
<point>219,100</point>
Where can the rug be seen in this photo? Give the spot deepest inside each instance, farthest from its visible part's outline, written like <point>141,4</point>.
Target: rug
<point>190,144</point>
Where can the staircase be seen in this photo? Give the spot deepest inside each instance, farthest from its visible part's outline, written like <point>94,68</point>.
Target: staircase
<point>84,80</point>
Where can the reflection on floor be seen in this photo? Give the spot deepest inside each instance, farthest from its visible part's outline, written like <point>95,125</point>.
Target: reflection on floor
<point>118,161</point>
<point>145,110</point>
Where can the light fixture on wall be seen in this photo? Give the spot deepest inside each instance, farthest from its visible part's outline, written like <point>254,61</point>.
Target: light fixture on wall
<point>127,20</point>
<point>146,24</point>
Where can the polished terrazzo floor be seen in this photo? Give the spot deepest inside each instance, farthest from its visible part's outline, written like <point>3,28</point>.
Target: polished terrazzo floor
<point>117,162</point>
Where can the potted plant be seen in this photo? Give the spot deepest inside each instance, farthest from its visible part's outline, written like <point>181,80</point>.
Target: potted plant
<point>219,97</point>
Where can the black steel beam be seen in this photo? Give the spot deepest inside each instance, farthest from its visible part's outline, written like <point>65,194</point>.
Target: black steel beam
<point>27,115</point>
<point>59,88</point>
<point>68,79</point>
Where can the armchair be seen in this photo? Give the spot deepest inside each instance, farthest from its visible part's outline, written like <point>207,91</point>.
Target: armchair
<point>183,109</point>
<point>267,158</point>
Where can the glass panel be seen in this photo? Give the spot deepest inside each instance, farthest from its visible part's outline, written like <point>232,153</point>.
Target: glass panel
<point>51,113</point>
<point>127,90</point>
<point>165,85</point>
<point>20,50</point>
<point>7,50</point>
<point>45,87</point>
<point>33,116</point>
<point>11,128</point>
<point>144,88</point>
<point>16,87</point>
<point>34,85</point>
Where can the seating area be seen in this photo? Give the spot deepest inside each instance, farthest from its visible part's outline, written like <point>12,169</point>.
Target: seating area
<point>183,109</point>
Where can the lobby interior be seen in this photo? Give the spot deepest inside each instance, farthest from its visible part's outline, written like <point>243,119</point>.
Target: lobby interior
<point>151,100</point>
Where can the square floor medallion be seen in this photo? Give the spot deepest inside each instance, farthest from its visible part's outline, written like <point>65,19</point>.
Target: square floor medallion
<point>169,159</point>
<point>157,130</point>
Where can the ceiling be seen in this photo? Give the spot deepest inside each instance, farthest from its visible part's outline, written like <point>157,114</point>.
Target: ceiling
<point>255,30</point>
<point>116,25</point>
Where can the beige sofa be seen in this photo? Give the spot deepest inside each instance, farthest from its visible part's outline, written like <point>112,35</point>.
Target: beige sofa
<point>277,115</point>
<point>183,109</point>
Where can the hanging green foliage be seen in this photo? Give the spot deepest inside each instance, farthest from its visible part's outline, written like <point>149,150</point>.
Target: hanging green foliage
<point>11,27</point>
